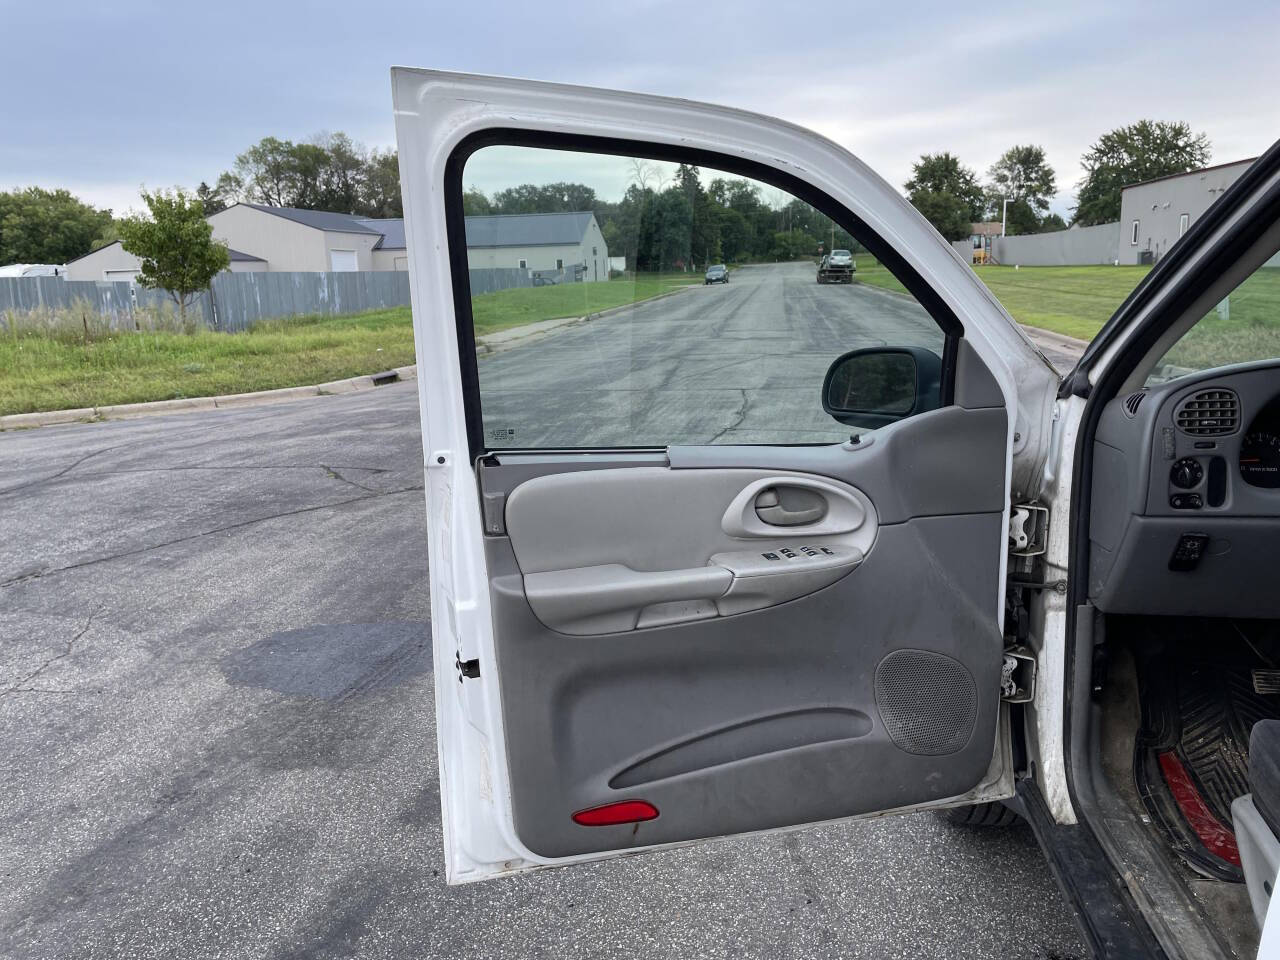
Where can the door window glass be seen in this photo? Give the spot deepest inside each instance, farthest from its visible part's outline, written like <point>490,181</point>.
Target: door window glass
<point>1245,326</point>
<point>660,349</point>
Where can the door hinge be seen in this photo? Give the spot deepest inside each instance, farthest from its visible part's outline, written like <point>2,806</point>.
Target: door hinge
<point>466,668</point>
<point>1018,675</point>
<point>1028,529</point>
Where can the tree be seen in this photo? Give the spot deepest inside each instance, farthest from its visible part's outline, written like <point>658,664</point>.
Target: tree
<point>1051,222</point>
<point>475,203</point>
<point>267,172</point>
<point>381,194</point>
<point>946,193</point>
<point>220,196</point>
<point>1019,218</point>
<point>343,168</point>
<point>1022,173</point>
<point>950,216</point>
<point>176,246</point>
<point>48,226</point>
<point>1127,155</point>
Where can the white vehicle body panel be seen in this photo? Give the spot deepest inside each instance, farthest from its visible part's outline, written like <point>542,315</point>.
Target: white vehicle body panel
<point>434,112</point>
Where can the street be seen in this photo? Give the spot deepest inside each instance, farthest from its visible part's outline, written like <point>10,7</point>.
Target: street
<point>216,692</point>
<point>736,363</point>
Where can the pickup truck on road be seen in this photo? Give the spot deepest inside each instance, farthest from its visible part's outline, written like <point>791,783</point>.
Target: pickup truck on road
<point>836,267</point>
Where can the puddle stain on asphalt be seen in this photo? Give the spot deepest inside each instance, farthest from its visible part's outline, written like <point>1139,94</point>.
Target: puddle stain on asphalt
<point>330,661</point>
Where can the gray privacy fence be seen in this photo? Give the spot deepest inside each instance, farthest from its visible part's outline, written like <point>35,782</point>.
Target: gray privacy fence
<point>234,301</point>
<point>1077,247</point>
<point>1080,246</point>
<point>493,279</point>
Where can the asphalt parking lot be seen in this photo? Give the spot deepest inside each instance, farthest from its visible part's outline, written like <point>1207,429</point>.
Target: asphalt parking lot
<point>216,703</point>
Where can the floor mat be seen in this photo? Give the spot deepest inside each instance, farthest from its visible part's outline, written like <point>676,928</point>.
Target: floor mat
<point>1191,758</point>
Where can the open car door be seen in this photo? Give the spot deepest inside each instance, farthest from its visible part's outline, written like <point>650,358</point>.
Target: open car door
<point>704,559</point>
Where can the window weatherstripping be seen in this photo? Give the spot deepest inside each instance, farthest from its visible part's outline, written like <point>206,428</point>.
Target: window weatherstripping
<point>1133,236</point>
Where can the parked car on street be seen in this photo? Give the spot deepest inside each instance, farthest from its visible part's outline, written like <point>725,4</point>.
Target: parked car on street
<point>717,274</point>
<point>1006,595</point>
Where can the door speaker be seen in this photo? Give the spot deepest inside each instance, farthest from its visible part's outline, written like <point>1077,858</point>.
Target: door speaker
<point>928,702</point>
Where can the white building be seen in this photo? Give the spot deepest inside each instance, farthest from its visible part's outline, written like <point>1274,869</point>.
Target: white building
<point>538,242</point>
<point>1154,214</point>
<point>114,262</point>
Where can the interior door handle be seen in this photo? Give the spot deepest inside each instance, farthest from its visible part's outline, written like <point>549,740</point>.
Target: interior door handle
<point>803,506</point>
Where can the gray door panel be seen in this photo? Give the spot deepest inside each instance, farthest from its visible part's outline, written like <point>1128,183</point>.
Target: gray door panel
<point>874,693</point>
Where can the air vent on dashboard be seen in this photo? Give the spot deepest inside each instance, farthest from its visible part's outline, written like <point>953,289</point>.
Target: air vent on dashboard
<point>1132,402</point>
<point>1208,413</point>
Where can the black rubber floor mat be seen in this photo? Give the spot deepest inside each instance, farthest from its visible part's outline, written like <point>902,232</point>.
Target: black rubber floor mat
<point>1191,758</point>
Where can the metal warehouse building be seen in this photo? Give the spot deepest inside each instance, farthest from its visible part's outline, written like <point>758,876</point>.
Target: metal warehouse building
<point>1155,213</point>
<point>544,242</point>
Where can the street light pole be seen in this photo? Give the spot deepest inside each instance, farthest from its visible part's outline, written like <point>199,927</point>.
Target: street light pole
<point>1004,215</point>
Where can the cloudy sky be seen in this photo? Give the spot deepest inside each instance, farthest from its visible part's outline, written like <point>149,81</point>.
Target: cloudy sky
<point>103,98</point>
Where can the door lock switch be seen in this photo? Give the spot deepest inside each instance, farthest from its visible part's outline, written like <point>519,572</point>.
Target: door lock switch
<point>770,556</point>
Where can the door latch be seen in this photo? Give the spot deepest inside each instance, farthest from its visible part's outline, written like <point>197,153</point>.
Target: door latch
<point>1018,675</point>
<point>1028,529</point>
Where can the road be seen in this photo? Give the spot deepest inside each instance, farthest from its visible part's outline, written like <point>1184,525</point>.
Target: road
<point>735,363</point>
<point>216,706</point>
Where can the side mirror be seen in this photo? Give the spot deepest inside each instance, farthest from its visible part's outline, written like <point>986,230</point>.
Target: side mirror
<point>879,385</point>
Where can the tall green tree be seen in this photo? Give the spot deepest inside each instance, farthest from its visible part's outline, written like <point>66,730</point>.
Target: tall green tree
<point>381,194</point>
<point>48,226</point>
<point>1022,176</point>
<point>1128,155</point>
<point>176,246</point>
<point>1023,173</point>
<point>946,193</point>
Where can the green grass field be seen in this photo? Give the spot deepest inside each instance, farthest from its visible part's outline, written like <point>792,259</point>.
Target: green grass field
<point>40,372</point>
<point>513,308</point>
<point>1076,301</point>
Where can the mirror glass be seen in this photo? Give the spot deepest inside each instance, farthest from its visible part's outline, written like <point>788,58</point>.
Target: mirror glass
<point>873,382</point>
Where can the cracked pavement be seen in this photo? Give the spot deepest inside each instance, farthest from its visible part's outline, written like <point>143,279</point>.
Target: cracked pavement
<point>216,709</point>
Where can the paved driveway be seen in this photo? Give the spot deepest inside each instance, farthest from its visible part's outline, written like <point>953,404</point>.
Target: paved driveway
<point>216,711</point>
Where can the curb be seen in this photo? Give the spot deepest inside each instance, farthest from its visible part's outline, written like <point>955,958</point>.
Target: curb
<point>128,411</point>
<point>1060,340</point>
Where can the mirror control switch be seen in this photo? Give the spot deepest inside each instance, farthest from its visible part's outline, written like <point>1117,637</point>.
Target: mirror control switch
<point>1189,551</point>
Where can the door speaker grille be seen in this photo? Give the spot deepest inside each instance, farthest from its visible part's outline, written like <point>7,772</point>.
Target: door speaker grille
<point>928,702</point>
<point>1208,413</point>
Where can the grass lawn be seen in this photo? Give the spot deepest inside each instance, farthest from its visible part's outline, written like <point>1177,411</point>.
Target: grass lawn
<point>40,372</point>
<point>1076,301</point>
<point>513,308</point>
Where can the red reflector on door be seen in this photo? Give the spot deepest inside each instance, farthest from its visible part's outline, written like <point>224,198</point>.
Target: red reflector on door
<point>624,811</point>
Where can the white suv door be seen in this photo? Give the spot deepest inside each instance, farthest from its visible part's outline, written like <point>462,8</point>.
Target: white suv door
<point>650,631</point>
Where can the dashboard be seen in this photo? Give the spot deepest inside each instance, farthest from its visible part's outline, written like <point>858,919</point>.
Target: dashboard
<point>1185,507</point>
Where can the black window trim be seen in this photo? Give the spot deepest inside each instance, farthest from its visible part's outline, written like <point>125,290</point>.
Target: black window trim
<point>855,226</point>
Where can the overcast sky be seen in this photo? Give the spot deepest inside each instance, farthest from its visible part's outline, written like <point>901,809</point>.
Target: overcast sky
<point>102,98</point>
